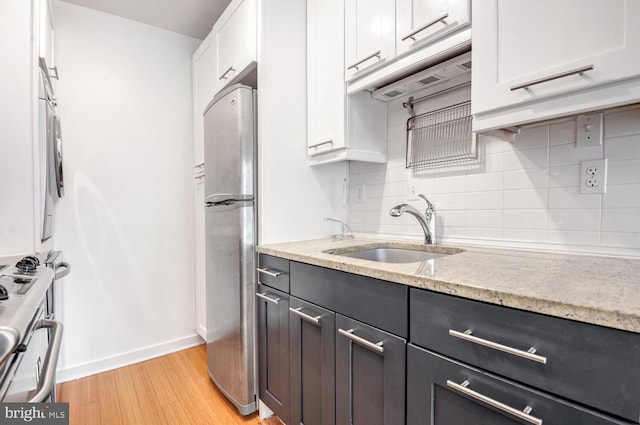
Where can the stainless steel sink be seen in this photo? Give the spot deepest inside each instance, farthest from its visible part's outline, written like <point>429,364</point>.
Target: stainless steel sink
<point>393,254</point>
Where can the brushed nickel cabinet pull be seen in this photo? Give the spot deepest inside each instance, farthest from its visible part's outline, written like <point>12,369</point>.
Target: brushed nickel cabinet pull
<point>378,347</point>
<point>412,34</point>
<point>371,56</point>
<point>224,75</point>
<point>553,77</point>
<point>520,414</point>
<point>269,272</point>
<point>267,299</point>
<point>529,354</point>
<point>304,316</point>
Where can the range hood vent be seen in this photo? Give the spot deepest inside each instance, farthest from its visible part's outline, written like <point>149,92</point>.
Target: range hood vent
<point>443,71</point>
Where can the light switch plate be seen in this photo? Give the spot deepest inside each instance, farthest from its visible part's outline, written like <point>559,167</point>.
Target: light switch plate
<point>358,194</point>
<point>593,176</point>
<point>589,130</point>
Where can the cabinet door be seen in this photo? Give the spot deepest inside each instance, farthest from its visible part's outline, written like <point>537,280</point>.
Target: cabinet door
<point>236,42</point>
<point>204,88</point>
<point>441,391</point>
<point>325,78</point>
<point>46,31</point>
<point>524,51</point>
<point>273,350</point>
<point>199,260</point>
<point>312,359</point>
<point>370,27</point>
<point>421,22</point>
<point>370,375</point>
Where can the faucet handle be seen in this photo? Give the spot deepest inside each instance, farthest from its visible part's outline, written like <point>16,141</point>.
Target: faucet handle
<point>430,206</point>
<point>344,227</point>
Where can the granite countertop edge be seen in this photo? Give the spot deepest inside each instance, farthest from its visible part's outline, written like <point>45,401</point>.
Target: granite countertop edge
<point>610,308</point>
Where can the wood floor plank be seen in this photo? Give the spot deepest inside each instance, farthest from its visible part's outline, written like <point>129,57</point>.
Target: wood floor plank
<point>169,390</point>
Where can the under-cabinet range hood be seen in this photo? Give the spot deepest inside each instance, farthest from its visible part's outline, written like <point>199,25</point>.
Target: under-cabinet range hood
<point>436,74</point>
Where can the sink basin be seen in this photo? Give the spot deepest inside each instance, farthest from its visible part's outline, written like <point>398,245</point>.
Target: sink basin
<point>395,254</point>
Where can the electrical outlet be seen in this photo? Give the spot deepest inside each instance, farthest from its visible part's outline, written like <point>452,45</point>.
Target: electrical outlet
<point>593,176</point>
<point>589,130</point>
<point>358,194</point>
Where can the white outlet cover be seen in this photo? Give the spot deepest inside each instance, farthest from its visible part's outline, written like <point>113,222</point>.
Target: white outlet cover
<point>413,189</point>
<point>358,193</point>
<point>593,176</point>
<point>589,130</point>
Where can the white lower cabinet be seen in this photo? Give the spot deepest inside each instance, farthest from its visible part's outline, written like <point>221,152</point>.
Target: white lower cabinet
<point>199,260</point>
<point>534,60</point>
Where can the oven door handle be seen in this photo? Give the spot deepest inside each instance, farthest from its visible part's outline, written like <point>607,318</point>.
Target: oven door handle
<point>46,379</point>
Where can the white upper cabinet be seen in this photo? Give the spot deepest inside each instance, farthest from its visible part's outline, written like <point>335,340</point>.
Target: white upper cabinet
<point>370,34</point>
<point>236,41</point>
<point>421,22</point>
<point>540,59</point>
<point>45,32</point>
<point>205,86</point>
<point>339,127</point>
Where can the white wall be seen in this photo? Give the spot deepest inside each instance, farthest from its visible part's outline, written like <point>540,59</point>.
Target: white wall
<point>522,194</point>
<point>17,219</point>
<point>294,198</point>
<point>126,222</point>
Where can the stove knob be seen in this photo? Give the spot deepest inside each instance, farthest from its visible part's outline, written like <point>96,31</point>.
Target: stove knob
<point>4,294</point>
<point>21,348</point>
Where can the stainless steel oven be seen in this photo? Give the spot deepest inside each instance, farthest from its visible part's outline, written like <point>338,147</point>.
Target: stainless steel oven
<point>30,339</point>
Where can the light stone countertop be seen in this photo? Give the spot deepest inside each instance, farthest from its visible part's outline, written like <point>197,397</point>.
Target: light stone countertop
<point>593,289</point>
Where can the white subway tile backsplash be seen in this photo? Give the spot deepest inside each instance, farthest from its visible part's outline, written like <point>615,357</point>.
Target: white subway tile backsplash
<point>525,219</point>
<point>525,199</point>
<point>572,219</point>
<point>485,200</point>
<point>623,172</point>
<point>526,179</point>
<point>484,182</point>
<point>563,132</point>
<point>570,197</point>
<point>622,123</point>
<point>622,148</point>
<point>525,192</point>
<point>484,218</point>
<point>571,155</point>
<point>621,220</point>
<point>622,196</point>
<point>453,184</point>
<point>564,175</point>
<point>523,160</point>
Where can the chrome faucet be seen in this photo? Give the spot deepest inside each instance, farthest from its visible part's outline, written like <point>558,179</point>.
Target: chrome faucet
<point>427,221</point>
<point>344,227</point>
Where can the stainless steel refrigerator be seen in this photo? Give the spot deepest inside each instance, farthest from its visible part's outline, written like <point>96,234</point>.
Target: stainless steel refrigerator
<point>230,223</point>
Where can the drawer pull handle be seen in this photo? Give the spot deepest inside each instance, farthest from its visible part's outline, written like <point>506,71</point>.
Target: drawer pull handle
<point>529,354</point>
<point>378,347</point>
<point>553,77</point>
<point>269,272</point>
<point>304,316</point>
<point>413,33</point>
<point>520,414</point>
<point>267,299</point>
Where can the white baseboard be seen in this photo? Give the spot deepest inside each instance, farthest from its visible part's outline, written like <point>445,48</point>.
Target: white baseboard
<point>126,359</point>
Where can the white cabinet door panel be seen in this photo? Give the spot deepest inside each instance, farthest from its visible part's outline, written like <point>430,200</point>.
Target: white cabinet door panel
<point>526,51</point>
<point>422,22</point>
<point>236,42</point>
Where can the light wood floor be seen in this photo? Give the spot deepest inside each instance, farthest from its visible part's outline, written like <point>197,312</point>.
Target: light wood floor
<point>169,390</point>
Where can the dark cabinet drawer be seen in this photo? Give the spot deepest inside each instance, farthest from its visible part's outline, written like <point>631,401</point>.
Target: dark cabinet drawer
<point>376,302</point>
<point>274,272</point>
<point>596,366</point>
<point>441,391</point>
<point>370,375</point>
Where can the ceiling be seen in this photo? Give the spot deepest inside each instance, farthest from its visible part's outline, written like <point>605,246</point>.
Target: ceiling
<point>189,17</point>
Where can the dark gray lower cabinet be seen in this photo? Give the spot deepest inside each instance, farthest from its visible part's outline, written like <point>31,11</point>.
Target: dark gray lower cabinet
<point>273,349</point>
<point>441,391</point>
<point>370,375</point>
<point>312,360</point>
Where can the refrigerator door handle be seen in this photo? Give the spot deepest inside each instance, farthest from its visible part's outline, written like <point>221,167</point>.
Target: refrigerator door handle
<point>220,198</point>
<point>228,205</point>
